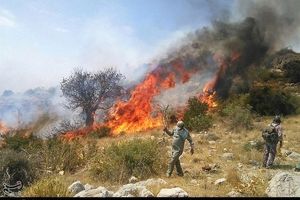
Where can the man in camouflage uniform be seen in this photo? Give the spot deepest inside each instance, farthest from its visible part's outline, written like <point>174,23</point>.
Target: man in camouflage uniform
<point>270,147</point>
<point>180,134</point>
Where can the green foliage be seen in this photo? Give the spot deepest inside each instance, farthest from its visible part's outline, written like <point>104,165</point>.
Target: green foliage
<point>16,141</point>
<point>269,101</point>
<point>292,71</point>
<point>238,116</point>
<point>103,131</point>
<point>59,155</point>
<point>195,117</point>
<point>137,157</point>
<point>47,187</point>
<point>15,166</point>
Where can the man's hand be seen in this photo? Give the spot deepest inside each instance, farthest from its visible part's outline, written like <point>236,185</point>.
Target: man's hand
<point>192,151</point>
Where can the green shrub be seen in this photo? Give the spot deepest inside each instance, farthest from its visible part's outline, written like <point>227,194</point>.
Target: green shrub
<point>238,116</point>
<point>47,187</point>
<point>18,142</point>
<point>269,101</point>
<point>58,154</point>
<point>195,117</point>
<point>137,157</point>
<point>15,166</point>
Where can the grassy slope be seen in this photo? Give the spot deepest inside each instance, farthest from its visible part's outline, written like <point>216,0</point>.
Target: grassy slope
<point>236,171</point>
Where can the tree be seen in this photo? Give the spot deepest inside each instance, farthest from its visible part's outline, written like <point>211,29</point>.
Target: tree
<point>91,92</point>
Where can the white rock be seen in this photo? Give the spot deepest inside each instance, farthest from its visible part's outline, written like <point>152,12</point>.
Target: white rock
<point>133,190</point>
<point>220,181</point>
<point>228,156</point>
<point>172,192</point>
<point>61,173</point>
<point>284,184</point>
<point>212,142</point>
<point>88,187</point>
<point>240,165</point>
<point>98,192</point>
<point>152,137</point>
<point>132,179</point>
<point>194,181</point>
<point>294,156</point>
<point>76,187</point>
<point>152,181</point>
<point>234,194</point>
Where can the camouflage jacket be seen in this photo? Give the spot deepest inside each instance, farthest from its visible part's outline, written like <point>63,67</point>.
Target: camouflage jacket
<point>179,137</point>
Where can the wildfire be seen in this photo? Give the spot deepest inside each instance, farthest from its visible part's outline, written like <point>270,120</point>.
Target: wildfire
<point>3,128</point>
<point>137,114</point>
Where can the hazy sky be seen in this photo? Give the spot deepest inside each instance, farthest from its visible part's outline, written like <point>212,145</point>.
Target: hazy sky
<point>42,41</point>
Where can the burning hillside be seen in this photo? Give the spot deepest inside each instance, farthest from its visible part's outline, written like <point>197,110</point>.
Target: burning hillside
<point>203,67</point>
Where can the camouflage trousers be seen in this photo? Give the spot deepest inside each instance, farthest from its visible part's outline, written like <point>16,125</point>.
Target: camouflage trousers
<point>175,162</point>
<point>269,154</point>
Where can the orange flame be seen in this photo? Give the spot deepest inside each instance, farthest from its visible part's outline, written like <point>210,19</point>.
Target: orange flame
<point>3,128</point>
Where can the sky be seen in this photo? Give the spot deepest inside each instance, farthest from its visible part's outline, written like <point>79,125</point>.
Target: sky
<point>42,41</point>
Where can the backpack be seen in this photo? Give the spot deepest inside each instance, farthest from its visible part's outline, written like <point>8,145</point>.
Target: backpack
<point>270,134</point>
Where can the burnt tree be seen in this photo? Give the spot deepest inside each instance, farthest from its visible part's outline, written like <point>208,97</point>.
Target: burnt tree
<point>91,92</point>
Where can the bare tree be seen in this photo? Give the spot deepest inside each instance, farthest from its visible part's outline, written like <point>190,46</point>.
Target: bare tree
<point>91,92</point>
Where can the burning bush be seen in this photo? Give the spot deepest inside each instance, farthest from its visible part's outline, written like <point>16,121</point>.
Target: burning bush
<point>270,101</point>
<point>137,157</point>
<point>100,132</point>
<point>16,167</point>
<point>47,187</point>
<point>195,117</point>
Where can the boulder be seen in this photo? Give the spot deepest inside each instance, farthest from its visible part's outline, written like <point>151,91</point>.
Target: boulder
<point>76,187</point>
<point>228,156</point>
<point>172,192</point>
<point>284,184</point>
<point>294,156</point>
<point>98,192</point>
<point>133,190</point>
<point>88,187</point>
<point>151,181</point>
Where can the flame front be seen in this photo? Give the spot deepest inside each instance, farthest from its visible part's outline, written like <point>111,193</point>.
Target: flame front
<point>135,115</point>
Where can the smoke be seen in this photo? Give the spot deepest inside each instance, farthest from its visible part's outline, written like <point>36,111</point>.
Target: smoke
<point>278,20</point>
<point>19,110</point>
<point>234,42</point>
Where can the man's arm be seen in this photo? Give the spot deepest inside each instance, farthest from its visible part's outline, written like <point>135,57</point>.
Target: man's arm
<point>170,133</point>
<point>280,135</point>
<point>189,138</point>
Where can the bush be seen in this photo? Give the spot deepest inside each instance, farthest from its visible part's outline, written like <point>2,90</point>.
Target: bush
<point>238,116</point>
<point>58,154</point>
<point>47,187</point>
<point>18,142</point>
<point>137,157</point>
<point>15,166</point>
<point>268,101</point>
<point>195,117</point>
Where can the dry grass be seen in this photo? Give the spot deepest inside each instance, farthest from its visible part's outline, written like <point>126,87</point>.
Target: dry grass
<point>199,183</point>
